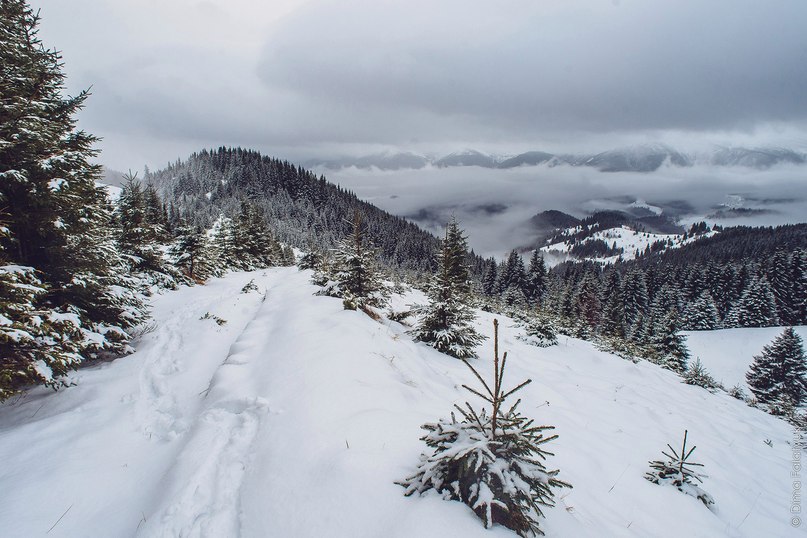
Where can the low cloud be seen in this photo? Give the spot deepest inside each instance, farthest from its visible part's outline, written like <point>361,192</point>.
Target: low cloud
<point>432,195</point>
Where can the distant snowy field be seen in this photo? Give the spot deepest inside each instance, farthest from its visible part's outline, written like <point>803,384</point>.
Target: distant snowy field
<point>728,354</point>
<point>295,417</point>
<point>623,237</point>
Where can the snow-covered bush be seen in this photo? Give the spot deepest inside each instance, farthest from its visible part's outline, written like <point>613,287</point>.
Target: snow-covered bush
<point>249,287</point>
<point>697,375</point>
<point>310,260</point>
<point>493,462</point>
<point>738,392</point>
<point>539,330</point>
<point>677,472</point>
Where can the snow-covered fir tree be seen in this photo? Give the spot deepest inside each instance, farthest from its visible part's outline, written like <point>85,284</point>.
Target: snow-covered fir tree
<point>701,314</point>
<point>142,234</point>
<point>669,344</point>
<point>489,278</point>
<point>354,273</point>
<point>778,375</point>
<point>493,461</point>
<point>513,273</point>
<point>446,323</point>
<point>756,307</point>
<point>635,300</point>
<point>192,253</point>
<point>678,472</point>
<point>57,231</point>
<point>696,374</point>
<point>536,278</point>
<point>539,329</point>
<point>587,304</point>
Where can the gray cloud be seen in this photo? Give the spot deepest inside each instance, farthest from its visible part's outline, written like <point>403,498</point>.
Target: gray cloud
<point>296,78</point>
<point>587,66</point>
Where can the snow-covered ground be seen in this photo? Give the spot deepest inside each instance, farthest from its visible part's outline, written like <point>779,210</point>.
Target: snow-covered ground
<point>295,418</point>
<point>728,354</point>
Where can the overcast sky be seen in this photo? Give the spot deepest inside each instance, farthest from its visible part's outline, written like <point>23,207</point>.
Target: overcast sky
<point>301,79</point>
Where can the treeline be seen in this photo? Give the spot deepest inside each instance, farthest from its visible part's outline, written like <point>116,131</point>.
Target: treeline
<point>741,277</point>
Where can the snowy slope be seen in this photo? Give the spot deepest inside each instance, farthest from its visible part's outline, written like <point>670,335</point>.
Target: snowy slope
<point>728,354</point>
<point>622,237</point>
<point>296,417</point>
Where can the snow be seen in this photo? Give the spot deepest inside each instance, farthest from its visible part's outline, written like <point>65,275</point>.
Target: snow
<point>641,204</point>
<point>113,192</point>
<point>296,417</point>
<point>57,184</point>
<point>728,354</point>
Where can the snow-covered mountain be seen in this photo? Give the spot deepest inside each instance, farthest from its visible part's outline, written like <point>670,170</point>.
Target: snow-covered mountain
<point>639,158</point>
<point>469,157</point>
<point>279,413</point>
<point>643,158</point>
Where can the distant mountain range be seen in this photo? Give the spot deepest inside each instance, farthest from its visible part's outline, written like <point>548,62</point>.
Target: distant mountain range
<point>642,158</point>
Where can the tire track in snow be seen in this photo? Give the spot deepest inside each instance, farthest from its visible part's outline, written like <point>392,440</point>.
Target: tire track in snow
<point>203,490</point>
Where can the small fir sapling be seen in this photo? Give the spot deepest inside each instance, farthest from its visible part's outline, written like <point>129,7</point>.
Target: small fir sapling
<point>249,287</point>
<point>696,374</point>
<point>491,461</point>
<point>738,392</point>
<point>677,471</point>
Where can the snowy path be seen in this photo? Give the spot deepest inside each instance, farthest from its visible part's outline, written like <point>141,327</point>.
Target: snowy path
<point>295,418</point>
<point>118,431</point>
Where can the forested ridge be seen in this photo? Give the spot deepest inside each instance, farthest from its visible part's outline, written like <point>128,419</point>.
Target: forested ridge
<point>301,208</point>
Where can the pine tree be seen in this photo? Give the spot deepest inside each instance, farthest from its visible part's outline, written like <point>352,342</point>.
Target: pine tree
<point>634,295</point>
<point>224,242</point>
<point>253,245</point>
<point>536,279</point>
<point>798,271</point>
<point>192,254</point>
<point>489,278</point>
<point>355,274</point>
<point>37,347</point>
<point>756,307</point>
<point>491,461</point>
<point>781,281</point>
<point>513,273</point>
<point>57,236</point>
<point>701,314</point>
<point>540,329</point>
<point>778,375</point>
<point>446,323</point>
<point>613,313</point>
<point>140,234</point>
<point>669,344</point>
<point>587,302</point>
<point>310,260</point>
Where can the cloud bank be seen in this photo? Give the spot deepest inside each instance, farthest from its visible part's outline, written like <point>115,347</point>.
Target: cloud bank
<point>300,78</point>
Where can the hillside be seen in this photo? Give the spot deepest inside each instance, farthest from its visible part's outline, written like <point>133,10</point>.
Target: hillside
<point>295,417</point>
<point>302,209</point>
